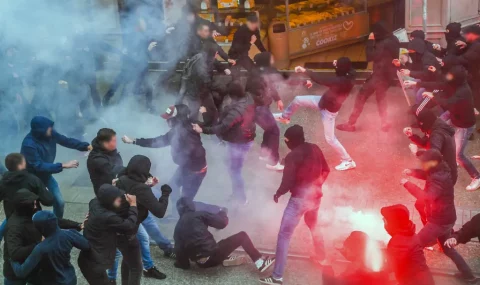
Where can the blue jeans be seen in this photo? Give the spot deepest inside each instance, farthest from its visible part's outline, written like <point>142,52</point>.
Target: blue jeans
<point>3,227</point>
<point>236,153</point>
<point>432,232</point>
<point>295,210</point>
<point>271,133</point>
<point>328,120</point>
<point>461,140</point>
<point>144,241</point>
<point>58,202</point>
<point>153,231</point>
<point>185,183</point>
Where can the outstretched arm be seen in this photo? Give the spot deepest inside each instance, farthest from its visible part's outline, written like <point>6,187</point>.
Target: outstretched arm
<point>158,142</point>
<point>69,142</point>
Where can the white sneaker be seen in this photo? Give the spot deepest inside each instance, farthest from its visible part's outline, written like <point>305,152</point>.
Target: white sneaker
<point>346,165</point>
<point>276,167</point>
<point>474,185</point>
<point>279,117</point>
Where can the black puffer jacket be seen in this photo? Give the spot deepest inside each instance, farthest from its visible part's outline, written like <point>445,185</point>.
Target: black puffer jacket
<point>460,104</point>
<point>425,59</point>
<point>185,144</point>
<point>382,51</point>
<point>12,181</point>
<point>103,225</point>
<point>192,238</point>
<point>262,79</point>
<point>103,166</point>
<point>133,183</point>
<point>406,258</point>
<point>438,195</point>
<point>237,122</point>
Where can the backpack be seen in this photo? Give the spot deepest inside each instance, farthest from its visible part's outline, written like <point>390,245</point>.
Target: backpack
<point>188,68</point>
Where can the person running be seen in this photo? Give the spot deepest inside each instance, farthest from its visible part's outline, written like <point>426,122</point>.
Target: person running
<point>305,172</point>
<point>328,104</point>
<point>382,48</point>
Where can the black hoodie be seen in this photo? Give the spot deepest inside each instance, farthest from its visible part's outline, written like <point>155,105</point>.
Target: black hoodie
<point>192,238</point>
<point>12,181</point>
<point>103,166</point>
<point>438,195</point>
<point>453,35</point>
<point>382,51</point>
<point>470,59</point>
<point>422,57</point>
<point>241,42</point>
<point>339,86</point>
<point>103,226</point>
<point>133,183</point>
<point>460,104</point>
<point>185,144</point>
<point>261,81</point>
<point>470,230</point>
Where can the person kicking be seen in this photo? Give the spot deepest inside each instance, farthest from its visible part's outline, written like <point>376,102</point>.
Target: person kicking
<point>328,104</point>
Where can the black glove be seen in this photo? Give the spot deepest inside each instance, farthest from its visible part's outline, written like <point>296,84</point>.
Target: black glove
<point>166,190</point>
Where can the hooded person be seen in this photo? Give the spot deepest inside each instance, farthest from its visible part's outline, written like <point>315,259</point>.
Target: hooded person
<point>404,253</point>
<point>355,248</point>
<point>103,228</point>
<point>193,240</point>
<point>470,59</point>
<point>425,59</point>
<point>419,34</point>
<point>236,126</point>
<point>261,85</point>
<point>39,148</point>
<point>104,162</point>
<point>438,135</point>
<point>186,149</point>
<point>461,115</point>
<point>56,248</point>
<point>382,48</point>
<point>329,104</point>
<point>439,210</point>
<point>453,34</point>
<point>138,181</point>
<point>305,172</point>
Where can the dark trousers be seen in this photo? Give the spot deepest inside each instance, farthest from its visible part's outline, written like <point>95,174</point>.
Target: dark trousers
<point>375,84</point>
<point>242,61</point>
<point>131,262</point>
<point>93,275</point>
<point>226,246</point>
<point>125,77</point>
<point>271,133</point>
<point>195,102</point>
<point>187,181</point>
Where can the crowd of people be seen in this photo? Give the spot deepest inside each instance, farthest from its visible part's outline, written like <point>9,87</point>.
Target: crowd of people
<point>121,218</point>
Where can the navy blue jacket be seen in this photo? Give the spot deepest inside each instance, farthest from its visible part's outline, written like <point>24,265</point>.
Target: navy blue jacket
<point>56,248</point>
<point>40,150</point>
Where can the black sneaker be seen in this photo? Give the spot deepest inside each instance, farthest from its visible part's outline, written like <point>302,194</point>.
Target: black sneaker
<point>170,254</point>
<point>347,127</point>
<point>271,280</point>
<point>112,281</point>
<point>467,279</point>
<point>154,273</point>
<point>269,261</point>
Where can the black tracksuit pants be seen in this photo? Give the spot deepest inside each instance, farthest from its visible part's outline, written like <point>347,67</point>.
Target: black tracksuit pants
<point>94,276</point>
<point>377,84</point>
<point>132,267</point>
<point>226,246</point>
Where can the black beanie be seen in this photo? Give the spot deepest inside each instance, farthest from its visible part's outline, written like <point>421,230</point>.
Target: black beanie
<point>418,45</point>
<point>295,136</point>
<point>418,34</point>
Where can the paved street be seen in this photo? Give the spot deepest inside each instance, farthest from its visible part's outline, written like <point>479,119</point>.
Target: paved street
<point>351,199</point>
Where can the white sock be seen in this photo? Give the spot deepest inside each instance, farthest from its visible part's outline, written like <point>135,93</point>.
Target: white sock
<point>259,263</point>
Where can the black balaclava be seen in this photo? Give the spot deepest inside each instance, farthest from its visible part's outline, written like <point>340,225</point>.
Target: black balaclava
<point>24,201</point>
<point>344,65</point>
<point>138,168</point>
<point>263,59</point>
<point>459,76</point>
<point>426,118</point>
<point>107,194</point>
<point>295,136</point>
<point>380,31</point>
<point>417,45</point>
<point>454,30</point>
<point>418,34</point>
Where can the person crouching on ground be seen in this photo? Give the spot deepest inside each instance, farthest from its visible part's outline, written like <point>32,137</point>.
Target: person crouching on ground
<point>194,242</point>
